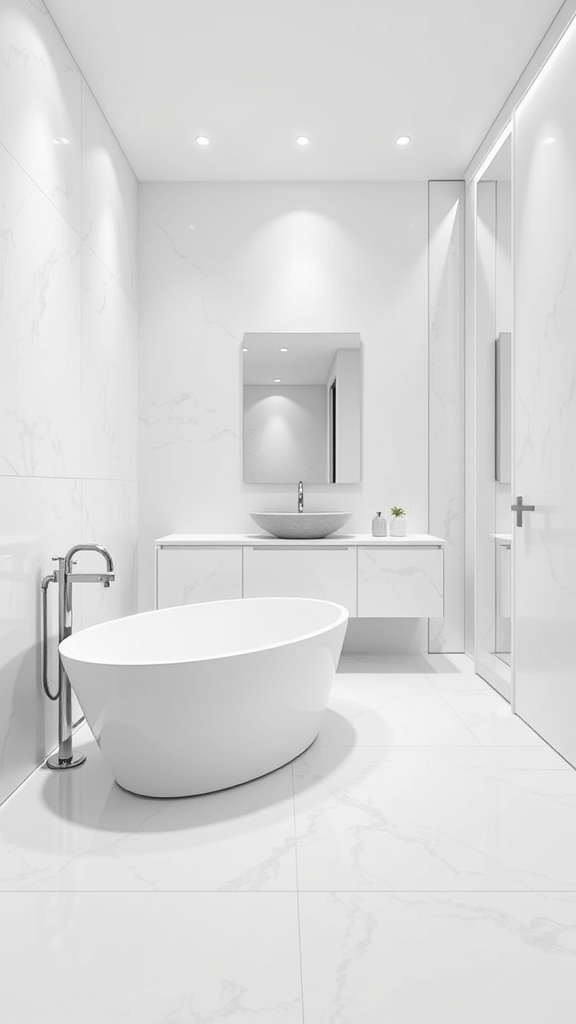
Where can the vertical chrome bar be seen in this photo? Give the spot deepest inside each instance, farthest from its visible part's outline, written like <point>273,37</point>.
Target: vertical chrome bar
<point>64,630</point>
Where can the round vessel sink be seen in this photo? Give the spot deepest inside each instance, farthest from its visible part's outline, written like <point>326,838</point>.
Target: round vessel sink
<point>301,525</point>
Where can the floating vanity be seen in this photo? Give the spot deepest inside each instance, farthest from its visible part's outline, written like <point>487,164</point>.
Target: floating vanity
<point>373,577</point>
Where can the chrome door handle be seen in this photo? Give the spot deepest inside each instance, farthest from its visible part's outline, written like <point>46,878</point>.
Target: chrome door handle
<point>519,509</point>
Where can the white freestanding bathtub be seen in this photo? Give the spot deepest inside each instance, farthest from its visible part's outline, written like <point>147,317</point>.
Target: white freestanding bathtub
<point>196,698</point>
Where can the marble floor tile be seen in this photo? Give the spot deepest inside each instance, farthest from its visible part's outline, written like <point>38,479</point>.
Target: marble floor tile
<point>432,842</point>
<point>369,687</point>
<point>149,958</point>
<point>490,719</point>
<point>80,831</point>
<point>375,712</point>
<point>432,818</point>
<point>442,958</point>
<point>452,664</point>
<point>454,673</point>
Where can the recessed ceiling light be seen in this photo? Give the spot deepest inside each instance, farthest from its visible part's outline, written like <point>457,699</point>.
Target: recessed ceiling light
<point>277,380</point>
<point>548,141</point>
<point>302,140</point>
<point>283,349</point>
<point>244,349</point>
<point>403,140</point>
<point>202,140</point>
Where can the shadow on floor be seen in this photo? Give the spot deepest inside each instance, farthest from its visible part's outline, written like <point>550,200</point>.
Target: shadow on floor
<point>89,796</point>
<point>397,664</point>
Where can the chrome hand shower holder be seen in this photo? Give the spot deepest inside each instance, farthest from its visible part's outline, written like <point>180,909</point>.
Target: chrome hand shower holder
<point>64,577</point>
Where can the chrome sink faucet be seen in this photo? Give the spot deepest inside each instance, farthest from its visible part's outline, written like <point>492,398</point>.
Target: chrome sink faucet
<point>64,577</point>
<point>300,496</point>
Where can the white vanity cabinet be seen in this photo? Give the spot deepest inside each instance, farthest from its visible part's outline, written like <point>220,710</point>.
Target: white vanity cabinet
<point>384,577</point>
<point>320,571</point>
<point>191,575</point>
<point>401,583</point>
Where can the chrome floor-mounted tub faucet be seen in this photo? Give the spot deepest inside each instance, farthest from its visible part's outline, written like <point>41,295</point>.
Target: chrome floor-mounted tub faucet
<point>65,577</point>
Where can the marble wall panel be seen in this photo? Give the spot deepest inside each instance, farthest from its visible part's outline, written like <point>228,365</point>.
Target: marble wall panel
<point>38,520</point>
<point>109,196</point>
<point>109,374</point>
<point>217,260</point>
<point>40,277</point>
<point>109,517</point>
<point>68,377</point>
<point>40,103</point>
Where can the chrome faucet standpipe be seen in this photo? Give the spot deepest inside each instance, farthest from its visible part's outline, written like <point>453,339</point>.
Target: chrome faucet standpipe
<point>64,577</point>
<point>300,496</point>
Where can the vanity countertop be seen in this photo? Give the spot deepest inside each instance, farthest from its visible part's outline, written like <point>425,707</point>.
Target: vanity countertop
<point>266,540</point>
<point>504,538</point>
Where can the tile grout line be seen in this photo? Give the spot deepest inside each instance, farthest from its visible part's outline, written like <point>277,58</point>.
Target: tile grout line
<point>78,232</point>
<point>460,719</point>
<point>280,892</point>
<point>297,892</point>
<point>479,742</point>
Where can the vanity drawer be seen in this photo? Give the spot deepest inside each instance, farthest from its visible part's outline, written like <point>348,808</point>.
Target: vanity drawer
<point>328,573</point>
<point>401,582</point>
<point>192,575</point>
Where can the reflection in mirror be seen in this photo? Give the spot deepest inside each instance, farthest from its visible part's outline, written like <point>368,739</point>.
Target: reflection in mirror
<point>302,410</point>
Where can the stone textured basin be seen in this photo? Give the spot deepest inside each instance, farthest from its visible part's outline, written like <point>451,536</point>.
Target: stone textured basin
<point>301,525</point>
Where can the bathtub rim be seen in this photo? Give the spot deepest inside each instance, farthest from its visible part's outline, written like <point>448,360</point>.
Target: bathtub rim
<point>342,618</point>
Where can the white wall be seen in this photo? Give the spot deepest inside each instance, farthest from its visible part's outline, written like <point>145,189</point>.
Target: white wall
<point>544,366</point>
<point>285,433</point>
<point>68,394</point>
<point>217,260</point>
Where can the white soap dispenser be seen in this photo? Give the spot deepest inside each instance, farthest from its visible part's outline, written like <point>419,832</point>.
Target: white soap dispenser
<point>378,525</point>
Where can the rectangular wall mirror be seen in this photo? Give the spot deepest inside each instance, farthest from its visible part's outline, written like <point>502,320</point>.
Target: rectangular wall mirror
<point>302,408</point>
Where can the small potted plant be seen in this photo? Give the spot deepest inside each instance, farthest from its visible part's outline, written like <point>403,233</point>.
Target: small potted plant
<point>397,521</point>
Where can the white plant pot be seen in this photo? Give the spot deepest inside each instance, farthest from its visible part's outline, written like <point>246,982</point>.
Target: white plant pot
<point>398,526</point>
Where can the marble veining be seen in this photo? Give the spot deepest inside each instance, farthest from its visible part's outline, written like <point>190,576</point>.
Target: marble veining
<point>68,426</point>
<point>418,837</point>
<point>201,290</point>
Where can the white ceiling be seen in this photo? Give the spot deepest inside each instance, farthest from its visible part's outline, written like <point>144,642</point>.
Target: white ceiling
<point>254,74</point>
